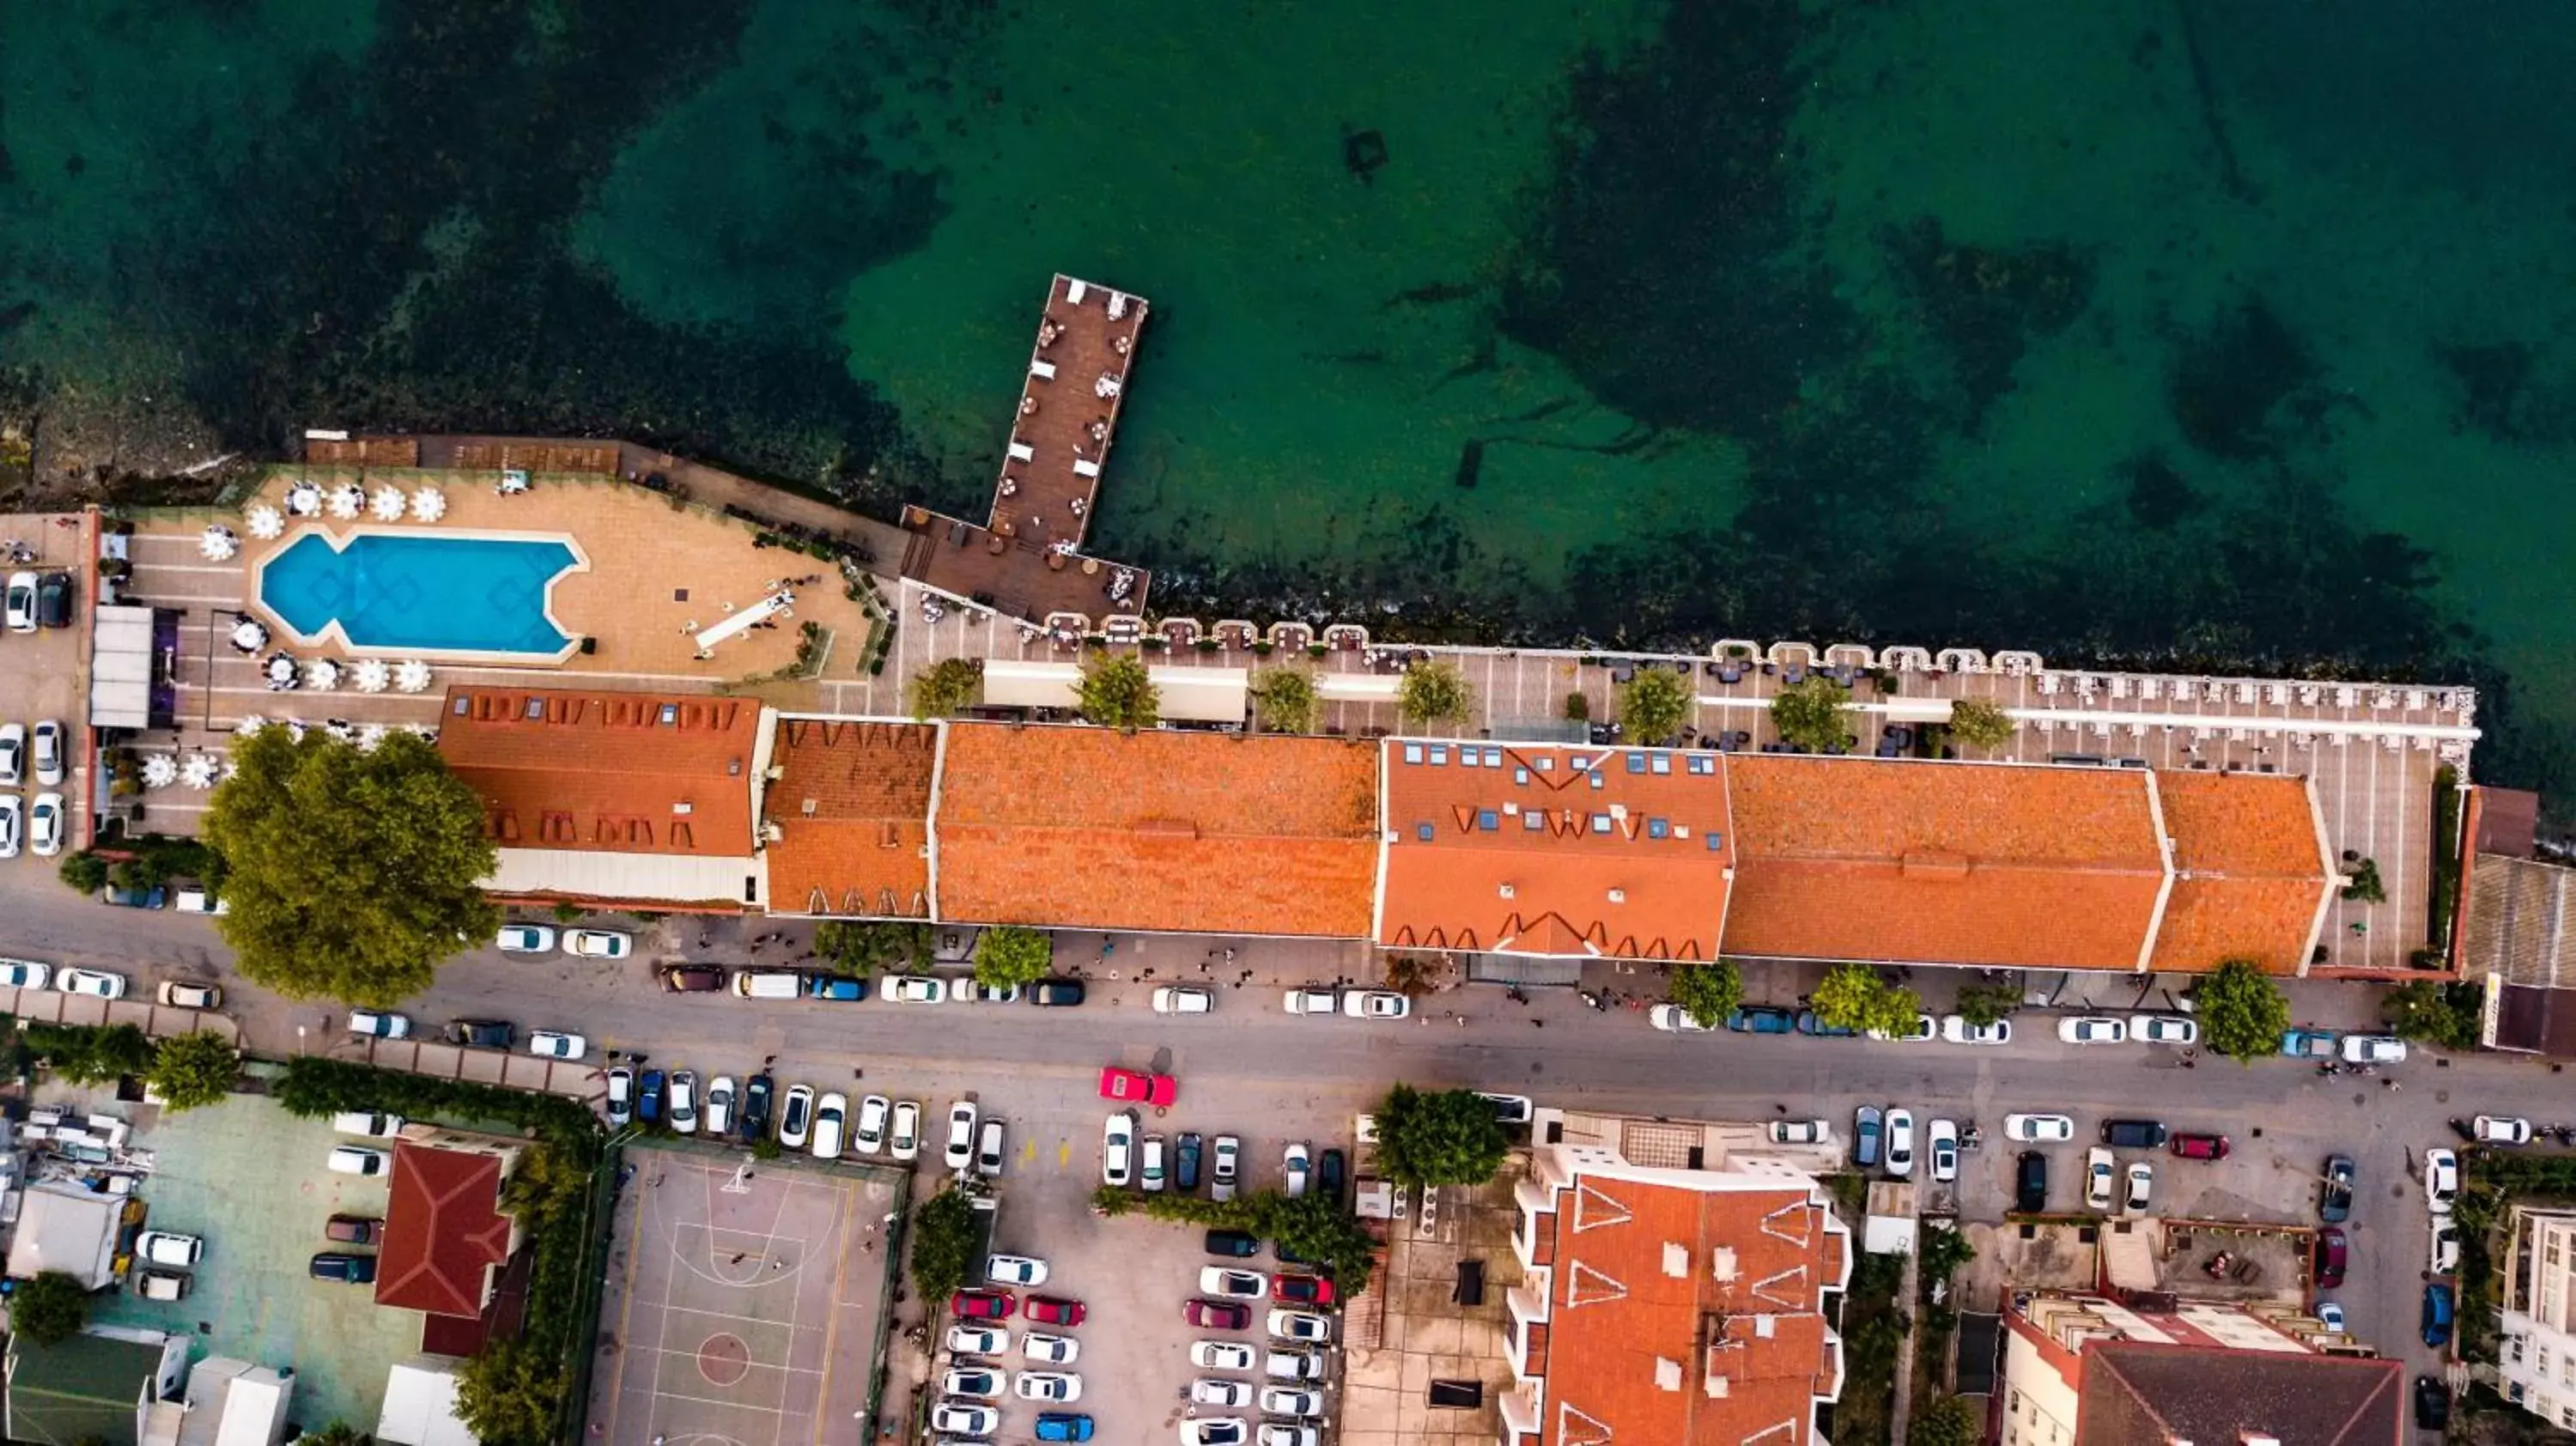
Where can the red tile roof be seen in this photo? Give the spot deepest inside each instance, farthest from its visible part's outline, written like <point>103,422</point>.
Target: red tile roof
<point>1950,863</point>
<point>1540,849</point>
<point>1618,1314</point>
<point>606,772</point>
<point>444,1230</point>
<point>2250,871</point>
<point>851,806</point>
<point>1204,833</point>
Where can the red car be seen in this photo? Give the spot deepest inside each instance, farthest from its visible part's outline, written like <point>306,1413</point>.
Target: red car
<point>2199,1147</point>
<point>1129,1087</point>
<point>1222,1315</point>
<point>985,1305</point>
<point>1055,1310</point>
<point>1306,1289</point>
<point>2330,1258</point>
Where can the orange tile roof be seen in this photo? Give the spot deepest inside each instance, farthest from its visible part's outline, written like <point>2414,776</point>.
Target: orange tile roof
<point>1616,1314</point>
<point>1952,863</point>
<point>851,806</point>
<point>1542,849</point>
<point>1099,829</point>
<point>606,772</point>
<point>2250,871</point>
<point>444,1230</point>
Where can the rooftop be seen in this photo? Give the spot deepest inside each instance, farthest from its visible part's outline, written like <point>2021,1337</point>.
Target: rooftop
<point>1537,849</point>
<point>444,1231</point>
<point>87,1388</point>
<point>2251,875</point>
<point>1907,861</point>
<point>1083,827</point>
<point>2136,1394</point>
<point>851,807</point>
<point>607,772</point>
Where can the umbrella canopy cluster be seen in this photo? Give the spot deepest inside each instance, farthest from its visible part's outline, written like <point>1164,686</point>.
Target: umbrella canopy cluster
<point>304,499</point>
<point>372,674</point>
<point>387,504</point>
<point>428,504</point>
<point>218,544</point>
<point>348,500</point>
<point>412,676</point>
<point>264,522</point>
<point>199,771</point>
<point>322,675</point>
<point>160,770</point>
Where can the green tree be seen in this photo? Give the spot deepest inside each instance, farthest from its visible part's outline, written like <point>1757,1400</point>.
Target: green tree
<point>189,1071</point>
<point>1945,1249</point>
<point>1578,708</point>
<point>1434,693</point>
<point>1811,715</point>
<point>1007,957</point>
<point>2242,1012</point>
<point>49,1309</point>
<point>1118,692</point>
<point>947,688</point>
<point>860,948</point>
<point>511,1394</point>
<point>944,1242</point>
<point>2365,887</point>
<point>549,1179</point>
<point>1310,1226</point>
<point>1986,1004</point>
<point>1706,992</point>
<point>84,871</point>
<point>338,1433</point>
<point>81,1054</point>
<point>1288,700</point>
<point>2446,1015</point>
<point>1947,1421</point>
<point>1855,996</point>
<point>1980,723</point>
<point>1448,1138</point>
<point>349,874</point>
<point>1655,704</point>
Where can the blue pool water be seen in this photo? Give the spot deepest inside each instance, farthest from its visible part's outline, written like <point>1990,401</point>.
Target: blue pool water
<point>421,593</point>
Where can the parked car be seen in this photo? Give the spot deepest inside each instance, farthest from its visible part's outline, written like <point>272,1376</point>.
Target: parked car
<point>1223,1356</point>
<point>598,943</point>
<point>620,1103</point>
<point>526,939</point>
<point>1296,1365</point>
<point>1222,1168</point>
<point>1304,1289</point>
<point>359,1160</point>
<point>2310,1043</point>
<point>2432,1404</point>
<point>868,1136</point>
<point>1941,1142</point>
<point>1291,1401</point>
<point>2133,1134</point>
<point>718,1117</point>
<point>988,1148</point>
<point>961,1135</point>
<point>2142,1185</point>
<point>1297,1168</point>
<point>1925,1027</point>
<point>48,750</point>
<point>695,978</point>
<point>2039,1129</point>
<point>2500,1130</point>
<point>2334,1202</point>
<point>2445,1254</point>
<point>25,974</point>
<point>2438,1305</point>
<point>2092,1029</point>
<point>2373,1049</point>
<point>796,1116</point>
<point>1801,1132</point>
<point>1762,1019</point>
<point>1957,1030</point>
<point>905,1143</point>
<point>368,1124</point>
<point>161,1284</point>
<point>346,1269</point>
<point>974,1383</point>
<point>2030,1183</point>
<point>1375,1004</point>
<point>2163,1029</point>
<point>965,1418</point>
<point>1063,1426</point>
<point>1301,1325</point>
<point>1511,1110</point>
<point>831,1125</point>
<point>1313,1000</point>
<point>378,1024</point>
<point>557,1044</point>
<point>2332,1250</point>
<point>1063,1388</point>
<point>837,988</point>
<point>1812,1023</point>
<point>648,1096</point>
<point>1220,1315</point>
<point>1900,1143</point>
<point>1118,1150</point>
<point>54,600</point>
<point>482,1033</point>
<point>982,1305</point>
<point>1057,993</point>
<point>1050,1350</point>
<point>1218,1391</point>
<point>13,755</point>
<point>2101,1177</point>
<point>1867,1125</point>
<point>1220,1280</point>
<point>1673,1019</point>
<point>197,899</point>
<point>22,602</point>
<point>13,825</point>
<point>2441,1180</point>
<point>168,1247</point>
<point>1216,1431</point>
<point>45,825</point>
<point>95,983</point>
<point>2196,1145</point>
<point>1188,1149</point>
<point>187,994</point>
<point>1015,1270</point>
<point>1290,1433</point>
<point>2330,1315</point>
<point>978,1340</point>
<point>1237,1244</point>
<point>1056,1310</point>
<point>354,1229</point>
<point>1134,1087</point>
<point>1184,999</point>
<point>757,1093</point>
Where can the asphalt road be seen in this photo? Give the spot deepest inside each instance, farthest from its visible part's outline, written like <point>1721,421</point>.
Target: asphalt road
<point>1251,1067</point>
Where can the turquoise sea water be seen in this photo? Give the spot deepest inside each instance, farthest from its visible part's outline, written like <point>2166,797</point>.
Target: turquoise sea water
<point>2163,329</point>
<point>420,593</point>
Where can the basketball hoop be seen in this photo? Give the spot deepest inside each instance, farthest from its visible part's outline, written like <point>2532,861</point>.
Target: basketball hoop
<point>740,1184</point>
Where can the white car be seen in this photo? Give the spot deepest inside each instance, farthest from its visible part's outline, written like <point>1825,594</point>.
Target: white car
<point>1900,1143</point>
<point>831,1125</point>
<point>1300,1325</point>
<point>1216,1391</point>
<point>13,824</point>
<point>163,1247</point>
<point>2101,1174</point>
<point>1957,1030</point>
<point>1216,1431</point>
<point>1227,1284</point>
<point>681,1108</point>
<point>916,989</point>
<point>1222,1355</point>
<point>975,1382</point>
<point>359,1160</point>
<point>1673,1019</point>
<point>597,943</point>
<point>96,983</point>
<point>1015,1270</point>
<point>2142,1186</point>
<point>2330,1315</point>
<point>2445,1256</point>
<point>1801,1132</point>
<point>1941,1142</point>
<point>2490,1129</point>
<point>49,754</point>
<point>1296,1365</point>
<point>2163,1029</point>
<point>978,1340</point>
<point>45,826</point>
<point>1297,1162</point>
<point>526,939</point>
<point>2092,1029</point>
<point>961,1135</point>
<point>557,1044</point>
<point>620,1103</point>
<point>1062,1387</point>
<point>795,1116</point>
<point>967,991</point>
<point>906,1144</point>
<point>1313,1001</point>
<point>1291,1401</point>
<point>965,1418</point>
<point>1118,1150</point>
<point>1184,999</point>
<point>1224,1157</point>
<point>369,1124</point>
<point>377,1024</point>
<point>988,1148</point>
<point>720,1101</point>
<point>1152,1175</point>
<point>1050,1350</point>
<point>2441,1180</point>
<point>2039,1129</point>
<point>1925,1027</point>
<point>13,754</point>
<point>1376,1004</point>
<point>177,994</point>
<point>870,1135</point>
<point>22,602</point>
<point>2373,1049</point>
<point>25,974</point>
<point>1286,1433</point>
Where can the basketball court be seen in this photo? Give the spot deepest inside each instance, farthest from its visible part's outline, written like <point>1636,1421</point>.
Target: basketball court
<point>742,1302</point>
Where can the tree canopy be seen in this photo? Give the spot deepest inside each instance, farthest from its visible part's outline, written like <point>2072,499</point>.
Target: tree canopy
<point>944,1241</point>
<point>1811,714</point>
<point>1287,700</point>
<point>349,874</point>
<point>2242,1012</point>
<point>1706,992</point>
<point>1312,1227</point>
<point>861,948</point>
<point>1118,692</point>
<point>189,1071</point>
<point>1655,704</point>
<point>1434,693</point>
<point>946,688</point>
<point>1448,1138</point>
<point>49,1309</point>
<point>1985,1004</point>
<point>2445,1015</point>
<point>1980,723</point>
<point>1855,996</point>
<point>1946,1421</point>
<point>511,1394</point>
<point>1007,957</point>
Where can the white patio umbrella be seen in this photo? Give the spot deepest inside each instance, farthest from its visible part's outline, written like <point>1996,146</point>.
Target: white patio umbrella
<point>249,636</point>
<point>348,500</point>
<point>263,521</point>
<point>428,504</point>
<point>372,675</point>
<point>370,736</point>
<point>295,729</point>
<point>198,772</point>
<point>424,730</point>
<point>342,729</point>
<point>218,544</point>
<point>160,770</point>
<point>281,670</point>
<point>322,674</point>
<point>387,504</point>
<point>304,499</point>
<point>248,724</point>
<point>412,676</point>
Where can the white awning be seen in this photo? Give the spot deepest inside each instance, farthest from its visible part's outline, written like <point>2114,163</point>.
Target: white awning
<point>1009,684</point>
<point>120,680</point>
<point>1914,710</point>
<point>1203,695</point>
<point>637,877</point>
<point>1358,687</point>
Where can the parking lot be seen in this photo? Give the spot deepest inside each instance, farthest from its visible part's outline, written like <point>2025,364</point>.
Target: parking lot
<point>44,677</point>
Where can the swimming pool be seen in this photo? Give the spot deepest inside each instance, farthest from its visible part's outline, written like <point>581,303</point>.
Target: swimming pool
<point>427,593</point>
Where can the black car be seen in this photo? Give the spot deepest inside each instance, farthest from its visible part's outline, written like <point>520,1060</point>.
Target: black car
<point>1059,993</point>
<point>481,1033</point>
<point>54,600</point>
<point>2133,1134</point>
<point>2030,1183</point>
<point>347,1269</point>
<point>2334,1205</point>
<point>2432,1404</point>
<point>756,1109</point>
<point>1185,1162</point>
<point>1328,1175</point>
<point>695,978</point>
<point>1237,1243</point>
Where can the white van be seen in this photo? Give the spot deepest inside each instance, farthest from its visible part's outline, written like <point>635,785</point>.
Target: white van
<point>192,898</point>
<point>768,983</point>
<point>370,1123</point>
